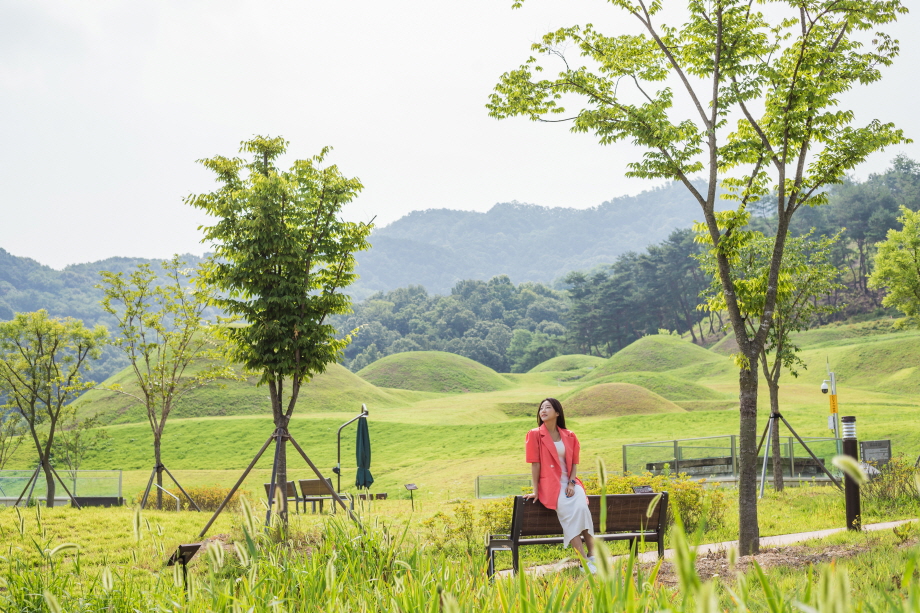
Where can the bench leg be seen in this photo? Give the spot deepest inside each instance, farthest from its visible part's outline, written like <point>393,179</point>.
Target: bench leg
<point>515,560</point>
<point>490,554</point>
<point>660,546</point>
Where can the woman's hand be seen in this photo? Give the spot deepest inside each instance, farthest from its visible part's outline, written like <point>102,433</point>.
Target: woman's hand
<point>530,496</point>
<point>569,490</point>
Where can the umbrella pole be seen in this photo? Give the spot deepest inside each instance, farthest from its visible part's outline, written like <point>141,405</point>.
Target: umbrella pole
<point>338,460</point>
<point>322,479</point>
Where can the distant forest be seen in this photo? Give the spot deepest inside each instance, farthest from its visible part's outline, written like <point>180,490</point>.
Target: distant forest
<point>520,284</point>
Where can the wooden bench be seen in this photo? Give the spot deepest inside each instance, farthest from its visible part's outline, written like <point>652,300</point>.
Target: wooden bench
<point>291,495</point>
<point>369,496</point>
<point>627,519</point>
<point>315,491</point>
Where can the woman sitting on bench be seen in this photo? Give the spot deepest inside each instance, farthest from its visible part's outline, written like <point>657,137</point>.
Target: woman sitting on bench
<point>552,452</point>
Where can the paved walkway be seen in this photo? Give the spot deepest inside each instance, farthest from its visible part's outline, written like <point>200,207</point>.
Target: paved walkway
<point>765,541</point>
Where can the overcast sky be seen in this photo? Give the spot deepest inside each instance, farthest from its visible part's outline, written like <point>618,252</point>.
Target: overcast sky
<point>106,105</point>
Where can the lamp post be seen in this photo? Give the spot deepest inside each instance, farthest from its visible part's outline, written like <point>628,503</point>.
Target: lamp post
<point>851,488</point>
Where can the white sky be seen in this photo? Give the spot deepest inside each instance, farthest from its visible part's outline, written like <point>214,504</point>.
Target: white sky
<point>106,105</point>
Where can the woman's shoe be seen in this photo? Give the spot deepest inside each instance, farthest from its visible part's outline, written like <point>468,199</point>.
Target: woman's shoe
<point>592,566</point>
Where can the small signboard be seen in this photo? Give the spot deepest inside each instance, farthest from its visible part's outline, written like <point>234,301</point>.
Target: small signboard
<point>642,489</point>
<point>411,486</point>
<point>877,452</point>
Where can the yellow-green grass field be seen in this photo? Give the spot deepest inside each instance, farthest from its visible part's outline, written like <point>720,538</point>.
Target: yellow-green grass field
<point>442,441</point>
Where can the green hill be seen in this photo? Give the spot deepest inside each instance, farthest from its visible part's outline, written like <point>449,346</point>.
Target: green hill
<point>655,353</point>
<point>337,389</point>
<point>568,363</point>
<point>615,400</point>
<point>433,371</point>
<point>685,394</point>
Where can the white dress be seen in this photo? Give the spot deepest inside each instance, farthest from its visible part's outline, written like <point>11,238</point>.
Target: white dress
<point>574,514</point>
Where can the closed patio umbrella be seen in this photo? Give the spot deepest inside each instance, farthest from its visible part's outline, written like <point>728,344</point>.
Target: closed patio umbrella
<point>363,456</point>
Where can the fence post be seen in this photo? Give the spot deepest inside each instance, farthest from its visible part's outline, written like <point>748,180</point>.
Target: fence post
<point>676,458</point>
<point>734,458</point>
<point>791,457</point>
<point>624,459</point>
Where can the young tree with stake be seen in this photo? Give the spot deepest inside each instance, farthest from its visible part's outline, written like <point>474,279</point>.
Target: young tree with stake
<point>42,363</point>
<point>282,257</point>
<point>169,345</point>
<point>763,92</point>
<point>806,277</point>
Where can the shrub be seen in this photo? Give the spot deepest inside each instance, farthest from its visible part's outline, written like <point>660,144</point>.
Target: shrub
<point>893,488</point>
<point>207,497</point>
<point>689,498</point>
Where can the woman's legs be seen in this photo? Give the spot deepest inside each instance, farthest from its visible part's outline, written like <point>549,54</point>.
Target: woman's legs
<point>578,546</point>
<point>589,541</point>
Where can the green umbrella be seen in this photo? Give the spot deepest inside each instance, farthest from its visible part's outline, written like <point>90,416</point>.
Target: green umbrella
<point>363,456</point>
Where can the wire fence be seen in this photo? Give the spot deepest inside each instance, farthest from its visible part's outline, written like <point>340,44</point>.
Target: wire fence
<point>716,457</point>
<point>81,483</point>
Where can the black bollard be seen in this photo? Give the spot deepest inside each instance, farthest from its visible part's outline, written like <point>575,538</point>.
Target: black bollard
<point>851,488</point>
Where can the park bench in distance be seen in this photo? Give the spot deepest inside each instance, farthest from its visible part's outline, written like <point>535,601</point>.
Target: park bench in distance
<point>627,519</point>
<point>291,495</point>
<point>314,490</point>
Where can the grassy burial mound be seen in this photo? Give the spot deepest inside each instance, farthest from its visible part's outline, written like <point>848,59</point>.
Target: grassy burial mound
<point>616,400</point>
<point>889,364</point>
<point>337,389</point>
<point>433,371</point>
<point>655,353</point>
<point>683,393</point>
<point>568,363</point>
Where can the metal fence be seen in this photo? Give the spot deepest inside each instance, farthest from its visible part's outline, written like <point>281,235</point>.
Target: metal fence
<point>715,457</point>
<point>499,486</point>
<point>95,483</point>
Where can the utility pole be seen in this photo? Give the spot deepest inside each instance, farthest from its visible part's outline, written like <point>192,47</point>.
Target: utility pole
<point>833,420</point>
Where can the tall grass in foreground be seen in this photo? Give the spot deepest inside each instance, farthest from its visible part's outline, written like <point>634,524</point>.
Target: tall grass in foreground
<point>379,570</point>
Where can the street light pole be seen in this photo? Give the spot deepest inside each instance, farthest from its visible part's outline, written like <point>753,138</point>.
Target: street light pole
<point>833,420</point>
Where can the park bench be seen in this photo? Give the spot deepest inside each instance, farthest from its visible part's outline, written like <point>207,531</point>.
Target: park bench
<point>315,491</point>
<point>379,496</point>
<point>627,519</point>
<point>291,495</point>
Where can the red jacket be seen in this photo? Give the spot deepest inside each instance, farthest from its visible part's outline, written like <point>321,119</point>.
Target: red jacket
<point>540,448</point>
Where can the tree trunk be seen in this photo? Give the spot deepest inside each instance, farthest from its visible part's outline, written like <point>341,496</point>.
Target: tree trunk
<point>159,469</point>
<point>774,443</point>
<point>748,527</point>
<point>281,491</point>
<point>49,482</point>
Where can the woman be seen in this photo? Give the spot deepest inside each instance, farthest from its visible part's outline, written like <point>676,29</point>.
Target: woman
<point>552,452</point>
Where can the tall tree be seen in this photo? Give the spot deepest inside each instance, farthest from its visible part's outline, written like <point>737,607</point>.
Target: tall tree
<point>282,257</point>
<point>897,268</point>
<point>763,91</point>
<point>807,277</point>
<point>42,366</point>
<point>169,345</point>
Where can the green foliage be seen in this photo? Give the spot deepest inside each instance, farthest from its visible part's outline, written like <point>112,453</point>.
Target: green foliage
<point>464,529</point>
<point>894,487</point>
<point>478,320</point>
<point>282,257</point>
<point>42,366</point>
<point>897,268</point>
<point>696,502</point>
<point>207,497</point>
<point>162,333</point>
<point>638,294</point>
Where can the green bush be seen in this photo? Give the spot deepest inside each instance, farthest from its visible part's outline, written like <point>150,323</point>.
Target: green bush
<point>893,488</point>
<point>207,497</point>
<point>693,500</point>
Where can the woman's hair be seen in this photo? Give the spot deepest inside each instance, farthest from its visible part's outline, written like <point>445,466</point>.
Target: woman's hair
<point>560,421</point>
